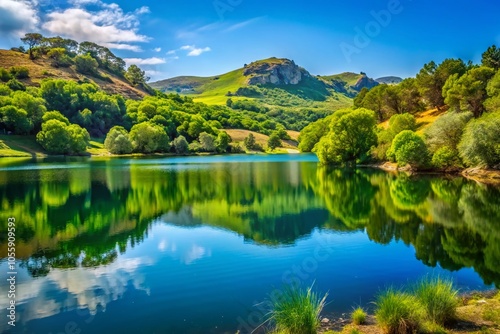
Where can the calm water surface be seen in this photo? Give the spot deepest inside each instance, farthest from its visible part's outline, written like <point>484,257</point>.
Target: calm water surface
<point>192,245</point>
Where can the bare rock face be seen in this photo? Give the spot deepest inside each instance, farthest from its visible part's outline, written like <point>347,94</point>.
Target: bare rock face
<point>364,81</point>
<point>278,72</point>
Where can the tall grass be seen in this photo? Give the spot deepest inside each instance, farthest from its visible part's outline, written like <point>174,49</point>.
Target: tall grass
<point>358,316</point>
<point>398,312</point>
<point>297,311</point>
<point>438,297</point>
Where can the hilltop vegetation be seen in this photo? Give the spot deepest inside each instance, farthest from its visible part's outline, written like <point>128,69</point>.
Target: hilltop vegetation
<point>467,134</point>
<point>64,113</point>
<point>276,87</point>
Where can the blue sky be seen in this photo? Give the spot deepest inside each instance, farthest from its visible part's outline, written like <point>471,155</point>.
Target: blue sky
<point>168,38</point>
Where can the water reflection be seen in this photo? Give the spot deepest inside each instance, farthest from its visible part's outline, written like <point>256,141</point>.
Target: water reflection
<point>76,217</point>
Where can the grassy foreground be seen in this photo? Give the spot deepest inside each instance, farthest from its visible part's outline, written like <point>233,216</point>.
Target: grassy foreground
<point>431,305</point>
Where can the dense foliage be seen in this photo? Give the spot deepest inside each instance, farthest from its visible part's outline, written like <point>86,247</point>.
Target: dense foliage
<point>466,135</point>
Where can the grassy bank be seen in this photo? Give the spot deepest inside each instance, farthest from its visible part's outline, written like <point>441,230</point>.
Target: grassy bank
<point>431,305</point>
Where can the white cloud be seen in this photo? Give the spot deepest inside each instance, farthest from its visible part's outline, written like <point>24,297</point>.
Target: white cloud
<point>194,51</point>
<point>145,61</point>
<point>157,49</point>
<point>242,24</point>
<point>18,17</point>
<point>171,52</point>
<point>109,25</point>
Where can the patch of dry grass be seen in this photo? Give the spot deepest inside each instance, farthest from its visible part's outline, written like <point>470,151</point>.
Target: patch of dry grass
<point>239,135</point>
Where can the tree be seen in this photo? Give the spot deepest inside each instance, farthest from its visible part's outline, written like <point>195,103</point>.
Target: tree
<point>207,142</point>
<point>32,40</point>
<point>57,137</point>
<point>222,141</point>
<point>136,76</point>
<point>446,131</point>
<point>148,138</point>
<point>86,64</point>
<point>432,78</point>
<point>480,143</point>
<point>350,138</point>
<point>468,92</point>
<point>59,57</point>
<point>117,141</point>
<point>181,145</point>
<point>274,141</point>
<point>15,120</point>
<point>491,57</point>
<point>312,133</point>
<point>249,142</point>
<point>492,103</point>
<point>408,148</point>
<point>397,123</point>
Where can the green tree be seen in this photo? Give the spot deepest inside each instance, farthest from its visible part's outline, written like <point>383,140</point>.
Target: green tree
<point>274,141</point>
<point>86,64</point>
<point>55,115</point>
<point>181,145</point>
<point>222,142</point>
<point>446,131</point>
<point>207,142</point>
<point>148,138</point>
<point>59,57</point>
<point>491,57</point>
<point>136,76</point>
<point>32,40</point>
<point>408,148</point>
<point>480,143</point>
<point>432,78</point>
<point>58,137</point>
<point>350,138</point>
<point>117,141</point>
<point>492,103</point>
<point>249,142</point>
<point>15,119</point>
<point>468,92</point>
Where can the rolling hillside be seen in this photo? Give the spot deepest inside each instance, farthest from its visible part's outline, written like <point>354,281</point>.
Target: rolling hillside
<point>273,82</point>
<point>41,68</point>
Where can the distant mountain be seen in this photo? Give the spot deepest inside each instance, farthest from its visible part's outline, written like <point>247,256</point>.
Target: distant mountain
<point>389,80</point>
<point>265,79</point>
<point>350,83</point>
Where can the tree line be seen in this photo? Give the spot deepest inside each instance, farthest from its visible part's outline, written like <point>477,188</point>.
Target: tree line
<point>467,134</point>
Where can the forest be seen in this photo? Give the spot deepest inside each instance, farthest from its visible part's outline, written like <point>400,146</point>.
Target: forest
<point>381,125</point>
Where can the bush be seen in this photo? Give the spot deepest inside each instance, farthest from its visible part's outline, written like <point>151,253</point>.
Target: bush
<point>14,84</point>
<point>480,144</point>
<point>5,75</point>
<point>408,148</point>
<point>297,311</point>
<point>195,147</point>
<point>249,142</point>
<point>181,145</point>
<point>86,64</point>
<point>274,141</point>
<point>445,158</point>
<point>439,299</point>
<point>358,316</point>
<point>207,142</point>
<point>398,312</point>
<point>58,137</point>
<point>148,138</point>
<point>117,141</point>
<point>19,72</point>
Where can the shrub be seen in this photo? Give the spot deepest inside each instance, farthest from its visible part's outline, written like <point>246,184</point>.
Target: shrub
<point>14,84</point>
<point>181,145</point>
<point>274,141</point>
<point>207,142</point>
<point>5,75</point>
<point>398,312</point>
<point>358,316</point>
<point>148,138</point>
<point>445,157</point>
<point>195,147</point>
<point>19,72</point>
<point>439,299</point>
<point>117,141</point>
<point>86,64</point>
<point>249,142</point>
<point>297,311</point>
<point>480,144</point>
<point>408,148</point>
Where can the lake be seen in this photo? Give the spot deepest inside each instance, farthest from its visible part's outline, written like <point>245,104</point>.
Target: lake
<point>201,244</point>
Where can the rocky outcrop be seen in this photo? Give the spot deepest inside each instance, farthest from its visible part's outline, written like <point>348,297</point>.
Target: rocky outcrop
<point>275,72</point>
<point>363,82</point>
